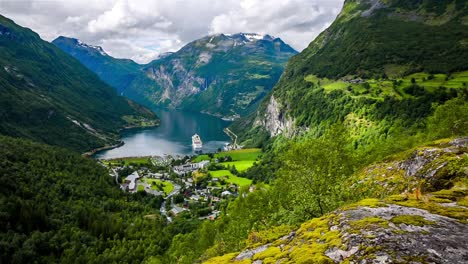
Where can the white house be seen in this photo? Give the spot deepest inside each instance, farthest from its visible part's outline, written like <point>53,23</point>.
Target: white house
<point>226,193</point>
<point>203,164</point>
<point>188,167</point>
<point>132,178</point>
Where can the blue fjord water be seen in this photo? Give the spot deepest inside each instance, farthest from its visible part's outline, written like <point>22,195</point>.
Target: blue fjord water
<point>173,136</point>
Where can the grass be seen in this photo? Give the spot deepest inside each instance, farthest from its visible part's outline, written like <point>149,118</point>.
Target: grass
<point>201,158</point>
<point>242,160</point>
<point>128,161</point>
<point>380,88</point>
<point>236,155</point>
<point>240,165</point>
<point>220,173</point>
<point>239,180</point>
<point>241,154</point>
<point>168,187</point>
<point>230,178</point>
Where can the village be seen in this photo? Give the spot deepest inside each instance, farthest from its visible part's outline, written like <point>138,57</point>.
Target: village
<point>198,185</point>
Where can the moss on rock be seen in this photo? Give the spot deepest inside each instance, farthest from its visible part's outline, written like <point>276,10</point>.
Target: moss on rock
<point>268,253</point>
<point>415,220</point>
<point>372,222</point>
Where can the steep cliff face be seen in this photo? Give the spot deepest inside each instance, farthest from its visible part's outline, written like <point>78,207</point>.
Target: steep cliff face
<point>275,120</point>
<point>223,75</point>
<point>379,64</point>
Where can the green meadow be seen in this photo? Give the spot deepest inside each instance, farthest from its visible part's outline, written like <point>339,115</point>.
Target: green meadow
<point>393,87</point>
<point>128,161</point>
<point>230,178</point>
<point>242,165</point>
<point>242,159</point>
<point>236,155</point>
<point>241,154</point>
<point>168,187</point>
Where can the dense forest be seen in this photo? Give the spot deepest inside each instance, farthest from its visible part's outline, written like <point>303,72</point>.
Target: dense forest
<point>355,126</point>
<point>44,92</point>
<point>58,207</point>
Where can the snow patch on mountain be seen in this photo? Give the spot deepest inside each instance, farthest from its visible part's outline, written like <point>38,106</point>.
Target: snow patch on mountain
<point>87,46</point>
<point>252,36</point>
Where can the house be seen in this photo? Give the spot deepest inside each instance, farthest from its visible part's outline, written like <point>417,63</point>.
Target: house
<point>177,210</point>
<point>131,180</point>
<point>183,169</point>
<point>158,175</point>
<point>195,197</point>
<point>213,215</point>
<point>189,167</point>
<point>203,164</point>
<point>226,193</point>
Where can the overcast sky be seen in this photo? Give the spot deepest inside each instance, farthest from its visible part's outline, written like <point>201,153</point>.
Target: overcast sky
<point>142,29</point>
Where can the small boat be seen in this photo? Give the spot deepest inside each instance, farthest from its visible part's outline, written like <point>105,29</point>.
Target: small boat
<point>197,144</point>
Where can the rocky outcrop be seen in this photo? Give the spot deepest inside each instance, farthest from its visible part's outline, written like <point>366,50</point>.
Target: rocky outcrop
<point>412,227</point>
<point>431,165</point>
<point>223,75</point>
<point>275,120</point>
<point>371,231</point>
<point>219,74</point>
<point>430,168</point>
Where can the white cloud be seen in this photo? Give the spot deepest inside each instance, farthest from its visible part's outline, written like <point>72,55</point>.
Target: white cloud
<point>296,21</point>
<point>142,29</point>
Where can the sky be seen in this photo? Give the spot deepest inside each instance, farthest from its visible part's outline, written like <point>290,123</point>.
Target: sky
<point>142,29</point>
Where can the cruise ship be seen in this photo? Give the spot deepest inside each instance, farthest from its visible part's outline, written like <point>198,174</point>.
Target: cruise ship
<point>196,143</point>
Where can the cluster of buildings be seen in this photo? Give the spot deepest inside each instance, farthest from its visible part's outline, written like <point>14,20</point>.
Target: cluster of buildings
<point>130,183</point>
<point>190,167</point>
<point>195,196</point>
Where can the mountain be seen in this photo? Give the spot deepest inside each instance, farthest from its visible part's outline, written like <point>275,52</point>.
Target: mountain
<point>118,73</point>
<point>371,38</point>
<point>381,66</point>
<point>408,207</point>
<point>223,75</point>
<point>50,97</point>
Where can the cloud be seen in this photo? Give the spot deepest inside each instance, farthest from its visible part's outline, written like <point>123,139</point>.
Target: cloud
<point>296,21</point>
<point>142,29</point>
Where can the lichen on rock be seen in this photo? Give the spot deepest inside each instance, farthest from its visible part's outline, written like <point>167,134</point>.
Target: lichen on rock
<point>408,227</point>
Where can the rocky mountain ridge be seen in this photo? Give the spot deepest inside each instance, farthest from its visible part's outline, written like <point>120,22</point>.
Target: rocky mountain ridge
<point>372,55</point>
<point>222,74</point>
<point>49,97</point>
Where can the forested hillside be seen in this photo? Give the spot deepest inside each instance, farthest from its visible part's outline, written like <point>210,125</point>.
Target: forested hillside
<point>48,96</point>
<point>223,75</point>
<point>58,207</point>
<point>364,159</point>
<point>382,67</point>
<point>118,73</point>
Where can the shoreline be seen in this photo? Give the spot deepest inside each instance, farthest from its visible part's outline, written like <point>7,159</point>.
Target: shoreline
<point>94,151</point>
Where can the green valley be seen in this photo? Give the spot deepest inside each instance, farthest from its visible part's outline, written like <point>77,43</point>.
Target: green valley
<point>394,82</point>
<point>45,92</point>
<point>223,75</point>
<point>356,153</point>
